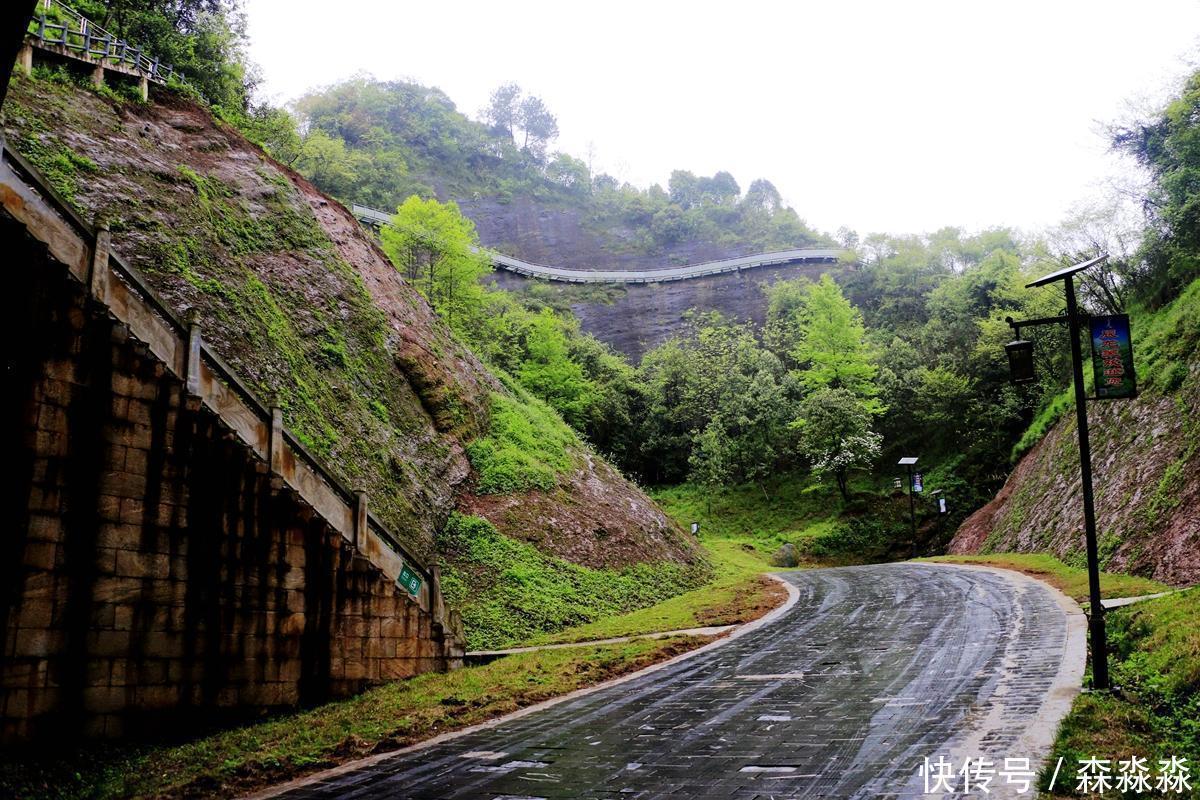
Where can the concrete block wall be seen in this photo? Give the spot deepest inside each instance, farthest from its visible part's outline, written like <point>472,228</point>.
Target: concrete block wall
<point>154,576</point>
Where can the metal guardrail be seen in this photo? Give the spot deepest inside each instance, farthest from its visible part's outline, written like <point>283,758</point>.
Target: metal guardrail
<point>132,278</point>
<point>90,42</point>
<point>375,217</point>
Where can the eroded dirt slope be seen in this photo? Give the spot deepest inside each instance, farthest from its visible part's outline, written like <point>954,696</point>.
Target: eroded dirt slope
<point>1146,468</point>
<point>304,305</point>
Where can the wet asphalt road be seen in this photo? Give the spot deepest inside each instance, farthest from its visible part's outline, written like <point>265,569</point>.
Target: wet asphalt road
<point>872,670</point>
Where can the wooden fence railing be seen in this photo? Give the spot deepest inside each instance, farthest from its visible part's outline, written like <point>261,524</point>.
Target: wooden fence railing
<point>58,24</point>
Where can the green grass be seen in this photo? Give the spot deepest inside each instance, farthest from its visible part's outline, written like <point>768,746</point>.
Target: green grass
<point>231,762</point>
<point>1071,581</point>
<point>792,508</point>
<point>737,593</point>
<point>1046,418</point>
<point>1164,343</point>
<point>509,592</point>
<point>781,510</point>
<point>1154,710</point>
<point>526,447</point>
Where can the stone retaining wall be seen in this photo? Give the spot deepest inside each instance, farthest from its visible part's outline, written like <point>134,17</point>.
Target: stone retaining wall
<point>155,575</point>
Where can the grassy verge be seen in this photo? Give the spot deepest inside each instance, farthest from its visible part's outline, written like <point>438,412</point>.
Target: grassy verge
<point>1071,581</point>
<point>385,718</point>
<point>767,515</point>
<point>1154,709</point>
<point>510,592</point>
<point>739,592</point>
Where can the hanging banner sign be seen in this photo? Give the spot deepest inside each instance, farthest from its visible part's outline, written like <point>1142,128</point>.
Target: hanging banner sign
<point>918,483</point>
<point>941,505</point>
<point>1112,357</point>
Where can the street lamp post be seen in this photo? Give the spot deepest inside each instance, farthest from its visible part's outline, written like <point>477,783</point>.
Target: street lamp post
<point>1021,362</point>
<point>908,462</point>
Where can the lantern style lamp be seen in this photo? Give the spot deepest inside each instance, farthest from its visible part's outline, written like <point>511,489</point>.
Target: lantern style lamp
<point>1020,361</point>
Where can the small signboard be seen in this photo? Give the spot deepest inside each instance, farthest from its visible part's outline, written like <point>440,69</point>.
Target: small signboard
<point>1112,357</point>
<point>918,484</point>
<point>941,505</point>
<point>410,580</point>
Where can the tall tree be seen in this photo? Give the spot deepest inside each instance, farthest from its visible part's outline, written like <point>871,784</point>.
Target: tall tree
<point>763,196</point>
<point>836,435</point>
<point>502,109</point>
<point>538,124</point>
<point>436,247</point>
<point>1168,146</point>
<point>684,188</point>
<point>832,350</point>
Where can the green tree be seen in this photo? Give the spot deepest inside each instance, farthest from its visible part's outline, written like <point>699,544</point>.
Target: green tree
<point>684,188</point>
<point>436,248</point>
<point>832,350</point>
<point>748,433</point>
<point>721,189</point>
<point>836,436</point>
<point>550,373</point>
<point>569,173</point>
<point>1168,146</point>
<point>537,124</point>
<point>204,39</point>
<point>502,110</point>
<point>763,197</point>
<point>325,161</point>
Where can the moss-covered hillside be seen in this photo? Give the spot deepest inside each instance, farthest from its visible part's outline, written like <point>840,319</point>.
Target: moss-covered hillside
<point>1145,460</point>
<point>304,305</point>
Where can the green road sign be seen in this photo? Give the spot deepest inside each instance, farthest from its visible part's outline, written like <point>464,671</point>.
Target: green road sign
<point>410,580</point>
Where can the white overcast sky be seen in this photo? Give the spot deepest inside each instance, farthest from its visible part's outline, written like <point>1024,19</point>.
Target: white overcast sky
<point>880,116</point>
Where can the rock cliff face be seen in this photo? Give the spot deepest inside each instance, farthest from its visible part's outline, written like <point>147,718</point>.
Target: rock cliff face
<point>1146,465</point>
<point>306,308</point>
<point>562,237</point>
<point>635,318</point>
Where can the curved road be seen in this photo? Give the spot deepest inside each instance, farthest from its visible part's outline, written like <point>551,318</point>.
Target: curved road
<point>377,218</point>
<point>873,669</point>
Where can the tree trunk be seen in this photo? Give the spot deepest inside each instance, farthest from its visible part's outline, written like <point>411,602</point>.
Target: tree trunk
<point>841,482</point>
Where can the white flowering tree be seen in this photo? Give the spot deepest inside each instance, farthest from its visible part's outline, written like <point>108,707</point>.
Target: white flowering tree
<point>836,435</point>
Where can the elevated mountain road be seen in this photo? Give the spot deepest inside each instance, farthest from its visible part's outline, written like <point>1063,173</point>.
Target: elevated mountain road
<point>874,669</point>
<point>376,219</point>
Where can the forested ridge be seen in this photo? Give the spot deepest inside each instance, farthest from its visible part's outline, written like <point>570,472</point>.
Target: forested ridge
<point>903,354</point>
